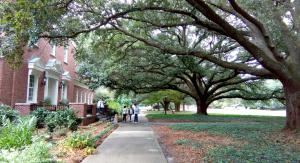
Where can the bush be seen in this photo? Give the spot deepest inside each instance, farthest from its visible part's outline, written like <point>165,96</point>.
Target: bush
<point>40,114</point>
<point>46,101</point>
<point>17,134</point>
<point>115,106</point>
<point>77,140</point>
<point>62,118</point>
<point>64,102</point>
<point>36,152</point>
<point>70,119</point>
<point>7,112</point>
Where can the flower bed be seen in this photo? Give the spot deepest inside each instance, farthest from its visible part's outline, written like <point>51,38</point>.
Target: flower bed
<point>58,138</point>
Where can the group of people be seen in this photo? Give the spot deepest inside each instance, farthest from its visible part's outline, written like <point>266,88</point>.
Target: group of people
<point>129,111</point>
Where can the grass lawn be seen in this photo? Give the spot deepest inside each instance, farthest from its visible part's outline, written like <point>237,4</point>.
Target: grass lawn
<point>235,138</point>
<point>191,117</point>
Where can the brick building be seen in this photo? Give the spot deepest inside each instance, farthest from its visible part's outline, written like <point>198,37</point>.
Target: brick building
<point>47,72</point>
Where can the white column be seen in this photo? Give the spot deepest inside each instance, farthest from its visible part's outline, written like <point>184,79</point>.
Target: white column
<point>35,89</point>
<point>77,96</point>
<point>55,92</point>
<point>46,88</point>
<point>28,82</point>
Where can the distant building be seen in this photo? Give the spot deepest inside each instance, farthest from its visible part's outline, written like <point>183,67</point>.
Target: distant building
<point>47,72</point>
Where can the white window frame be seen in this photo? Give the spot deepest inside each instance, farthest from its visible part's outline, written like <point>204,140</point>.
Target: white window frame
<point>85,97</point>
<point>32,88</point>
<point>91,98</point>
<point>53,49</point>
<point>64,91</point>
<point>77,96</point>
<point>66,54</point>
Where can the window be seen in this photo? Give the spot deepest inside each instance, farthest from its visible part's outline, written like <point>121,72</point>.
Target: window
<point>77,96</point>
<point>53,49</point>
<point>64,91</point>
<point>31,88</point>
<point>66,51</point>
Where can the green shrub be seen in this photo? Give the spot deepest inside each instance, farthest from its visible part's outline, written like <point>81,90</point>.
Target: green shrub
<point>40,114</point>
<point>70,119</point>
<point>64,102</point>
<point>62,118</point>
<point>51,121</point>
<point>78,140</point>
<point>105,131</point>
<point>33,153</point>
<point>17,134</point>
<point>114,105</point>
<point>46,101</point>
<point>61,132</point>
<point>7,112</point>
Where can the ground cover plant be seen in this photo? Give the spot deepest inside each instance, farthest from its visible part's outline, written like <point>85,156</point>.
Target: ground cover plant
<point>18,139</point>
<point>77,140</point>
<point>246,139</point>
<point>7,112</point>
<point>75,146</point>
<point>54,140</point>
<point>38,151</point>
<point>17,134</point>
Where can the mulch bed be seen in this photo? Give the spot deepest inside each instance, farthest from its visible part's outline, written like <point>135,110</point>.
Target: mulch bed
<point>182,153</point>
<point>76,155</point>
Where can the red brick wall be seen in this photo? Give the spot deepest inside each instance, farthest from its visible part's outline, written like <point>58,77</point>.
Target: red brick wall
<point>8,80</point>
<point>20,84</point>
<point>6,83</point>
<point>23,108</point>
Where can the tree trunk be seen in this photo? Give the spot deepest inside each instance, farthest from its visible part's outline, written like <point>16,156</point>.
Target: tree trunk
<point>177,107</point>
<point>166,106</point>
<point>201,107</point>
<point>292,95</point>
<point>183,107</point>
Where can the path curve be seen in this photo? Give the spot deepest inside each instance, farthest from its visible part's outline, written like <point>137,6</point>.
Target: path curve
<point>130,143</point>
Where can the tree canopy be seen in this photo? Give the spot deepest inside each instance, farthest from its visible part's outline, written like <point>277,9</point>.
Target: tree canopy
<point>267,30</point>
<point>128,65</point>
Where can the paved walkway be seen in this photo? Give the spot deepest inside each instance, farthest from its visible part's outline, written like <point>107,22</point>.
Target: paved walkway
<point>130,143</point>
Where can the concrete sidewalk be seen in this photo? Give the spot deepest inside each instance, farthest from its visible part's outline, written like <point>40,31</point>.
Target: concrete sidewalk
<point>130,143</point>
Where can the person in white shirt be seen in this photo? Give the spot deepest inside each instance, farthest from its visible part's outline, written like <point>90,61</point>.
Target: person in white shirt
<point>124,111</point>
<point>136,110</point>
<point>100,106</point>
<point>130,113</point>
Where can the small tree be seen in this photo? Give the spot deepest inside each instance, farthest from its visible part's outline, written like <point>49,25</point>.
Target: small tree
<point>165,97</point>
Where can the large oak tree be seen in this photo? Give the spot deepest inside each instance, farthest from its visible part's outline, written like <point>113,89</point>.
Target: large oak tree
<point>269,30</point>
<point>123,63</point>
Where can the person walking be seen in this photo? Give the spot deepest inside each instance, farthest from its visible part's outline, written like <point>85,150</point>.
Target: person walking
<point>100,106</point>
<point>136,110</point>
<point>130,113</point>
<point>124,111</point>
